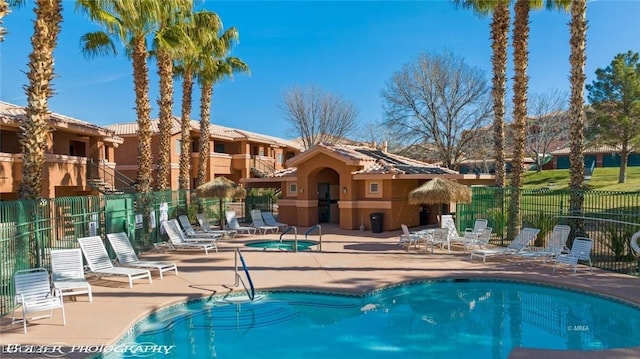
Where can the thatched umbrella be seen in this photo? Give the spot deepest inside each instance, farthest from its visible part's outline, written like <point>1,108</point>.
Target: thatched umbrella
<point>220,187</point>
<point>439,191</point>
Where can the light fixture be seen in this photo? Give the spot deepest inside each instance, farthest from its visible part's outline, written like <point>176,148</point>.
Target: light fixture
<point>344,189</point>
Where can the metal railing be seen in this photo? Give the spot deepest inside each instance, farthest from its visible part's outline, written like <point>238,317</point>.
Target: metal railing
<point>311,230</point>
<point>295,236</point>
<point>113,180</point>
<point>251,292</point>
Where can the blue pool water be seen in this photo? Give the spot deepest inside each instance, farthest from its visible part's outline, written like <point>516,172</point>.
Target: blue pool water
<point>284,245</point>
<point>436,319</point>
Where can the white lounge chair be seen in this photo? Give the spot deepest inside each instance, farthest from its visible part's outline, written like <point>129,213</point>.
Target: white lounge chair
<point>517,245</point>
<point>556,245</point>
<point>177,239</point>
<point>127,255</point>
<point>232,222</point>
<point>580,250</point>
<point>258,222</point>
<point>270,220</point>
<point>34,294</point>
<point>67,272</point>
<point>190,232</point>
<point>206,227</point>
<point>100,264</point>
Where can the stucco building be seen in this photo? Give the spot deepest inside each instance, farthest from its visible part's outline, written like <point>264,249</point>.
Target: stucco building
<point>78,155</point>
<point>346,184</point>
<point>234,153</point>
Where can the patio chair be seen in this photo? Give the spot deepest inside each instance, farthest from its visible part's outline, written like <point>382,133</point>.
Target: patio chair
<point>634,242</point>
<point>580,251</point>
<point>178,241</point>
<point>190,232</point>
<point>436,236</point>
<point>127,257</point>
<point>556,245</point>
<point>67,272</point>
<point>481,239</point>
<point>517,245</point>
<point>100,264</point>
<point>270,220</point>
<point>206,228</point>
<point>232,222</point>
<point>471,234</point>
<point>258,222</point>
<point>453,236</point>
<point>408,238</point>
<point>34,293</point>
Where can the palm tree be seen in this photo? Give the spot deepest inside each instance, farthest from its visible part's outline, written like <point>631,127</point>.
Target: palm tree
<point>215,66</point>
<point>168,39</point>
<point>4,10</point>
<point>131,22</point>
<point>520,88</point>
<point>34,137</point>
<point>201,29</point>
<point>499,44</point>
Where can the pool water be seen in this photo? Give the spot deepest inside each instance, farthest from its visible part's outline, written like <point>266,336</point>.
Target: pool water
<point>284,245</point>
<point>436,319</point>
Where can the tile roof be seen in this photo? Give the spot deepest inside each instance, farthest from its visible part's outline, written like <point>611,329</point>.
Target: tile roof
<point>11,112</point>
<point>217,131</point>
<point>589,148</point>
<point>374,161</point>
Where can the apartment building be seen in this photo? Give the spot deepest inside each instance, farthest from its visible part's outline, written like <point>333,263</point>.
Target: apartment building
<point>234,153</point>
<point>78,155</point>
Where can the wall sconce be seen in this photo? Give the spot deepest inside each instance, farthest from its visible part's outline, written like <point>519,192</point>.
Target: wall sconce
<point>344,189</point>
<point>301,190</point>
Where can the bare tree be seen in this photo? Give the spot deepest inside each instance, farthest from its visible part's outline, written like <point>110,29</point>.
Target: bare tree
<point>548,124</point>
<point>439,100</point>
<point>317,116</point>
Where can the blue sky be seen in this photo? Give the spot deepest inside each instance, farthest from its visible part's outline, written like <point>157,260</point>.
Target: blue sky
<point>348,48</point>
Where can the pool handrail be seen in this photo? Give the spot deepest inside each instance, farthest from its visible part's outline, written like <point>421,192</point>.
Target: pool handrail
<point>251,292</point>
<point>319,228</point>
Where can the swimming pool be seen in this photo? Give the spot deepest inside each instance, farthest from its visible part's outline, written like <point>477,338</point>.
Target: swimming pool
<point>284,245</point>
<point>434,319</point>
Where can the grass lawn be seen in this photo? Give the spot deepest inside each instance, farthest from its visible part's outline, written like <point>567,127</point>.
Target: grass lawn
<point>603,179</point>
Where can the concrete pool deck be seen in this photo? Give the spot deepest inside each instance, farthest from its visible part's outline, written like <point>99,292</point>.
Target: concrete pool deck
<point>350,262</point>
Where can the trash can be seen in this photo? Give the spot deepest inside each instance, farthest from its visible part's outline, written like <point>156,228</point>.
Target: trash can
<point>376,222</point>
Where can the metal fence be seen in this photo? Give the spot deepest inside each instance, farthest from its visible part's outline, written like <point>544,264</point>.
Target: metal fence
<point>30,229</point>
<point>609,218</point>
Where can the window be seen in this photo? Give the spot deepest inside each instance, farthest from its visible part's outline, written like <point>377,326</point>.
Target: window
<point>373,187</point>
<point>178,146</point>
<point>218,148</point>
<point>280,158</point>
<point>293,188</point>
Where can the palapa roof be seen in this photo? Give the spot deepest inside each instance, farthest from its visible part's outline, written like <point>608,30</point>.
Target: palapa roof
<point>216,131</point>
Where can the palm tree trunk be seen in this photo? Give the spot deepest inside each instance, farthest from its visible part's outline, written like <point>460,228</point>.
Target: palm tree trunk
<point>143,111</point>
<point>520,87</point>
<point>34,137</point>
<point>165,103</point>
<point>185,146</point>
<point>499,35</point>
<point>206,91</point>
<point>577,60</point>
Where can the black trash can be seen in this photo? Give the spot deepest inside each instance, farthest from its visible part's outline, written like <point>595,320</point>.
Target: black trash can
<point>376,222</point>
